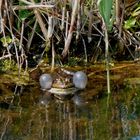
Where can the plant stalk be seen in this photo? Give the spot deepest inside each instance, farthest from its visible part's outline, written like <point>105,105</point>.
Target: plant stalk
<point>107,60</point>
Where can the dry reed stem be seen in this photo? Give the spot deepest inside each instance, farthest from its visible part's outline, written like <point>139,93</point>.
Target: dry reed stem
<point>22,56</point>
<point>67,24</point>
<point>51,25</point>
<point>53,57</point>
<point>1,5</point>
<point>117,7</point>
<point>40,21</point>
<point>63,18</point>
<point>70,33</point>
<point>90,25</point>
<point>25,1</point>
<point>17,7</point>
<point>78,22</point>
<point>32,35</point>
<point>1,16</point>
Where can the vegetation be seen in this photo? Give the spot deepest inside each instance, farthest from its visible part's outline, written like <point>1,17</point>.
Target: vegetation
<point>67,31</point>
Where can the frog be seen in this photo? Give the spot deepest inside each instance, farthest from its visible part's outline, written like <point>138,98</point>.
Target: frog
<point>63,82</point>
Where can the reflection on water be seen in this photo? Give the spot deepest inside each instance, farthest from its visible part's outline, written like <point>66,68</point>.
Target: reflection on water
<point>27,114</point>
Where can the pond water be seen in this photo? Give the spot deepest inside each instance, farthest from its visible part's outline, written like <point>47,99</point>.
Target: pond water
<point>28,114</point>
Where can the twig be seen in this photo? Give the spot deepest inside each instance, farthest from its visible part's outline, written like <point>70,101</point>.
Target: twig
<point>5,56</point>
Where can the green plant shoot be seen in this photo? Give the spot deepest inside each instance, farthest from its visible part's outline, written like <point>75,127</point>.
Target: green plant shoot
<point>105,8</point>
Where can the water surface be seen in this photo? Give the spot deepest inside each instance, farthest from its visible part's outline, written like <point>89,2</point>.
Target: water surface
<point>29,114</point>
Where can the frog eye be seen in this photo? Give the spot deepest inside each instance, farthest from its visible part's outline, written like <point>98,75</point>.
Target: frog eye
<point>80,80</point>
<point>45,81</point>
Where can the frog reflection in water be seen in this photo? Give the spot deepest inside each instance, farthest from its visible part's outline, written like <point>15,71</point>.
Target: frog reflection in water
<point>63,82</point>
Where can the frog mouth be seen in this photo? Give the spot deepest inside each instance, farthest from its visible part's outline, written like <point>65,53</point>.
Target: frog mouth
<point>63,91</point>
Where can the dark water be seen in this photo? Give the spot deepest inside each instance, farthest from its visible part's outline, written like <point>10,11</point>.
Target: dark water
<point>28,114</point>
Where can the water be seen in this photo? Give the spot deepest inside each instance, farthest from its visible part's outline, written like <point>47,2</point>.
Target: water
<point>26,114</point>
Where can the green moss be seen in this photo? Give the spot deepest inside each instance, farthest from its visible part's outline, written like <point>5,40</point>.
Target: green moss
<point>7,64</point>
